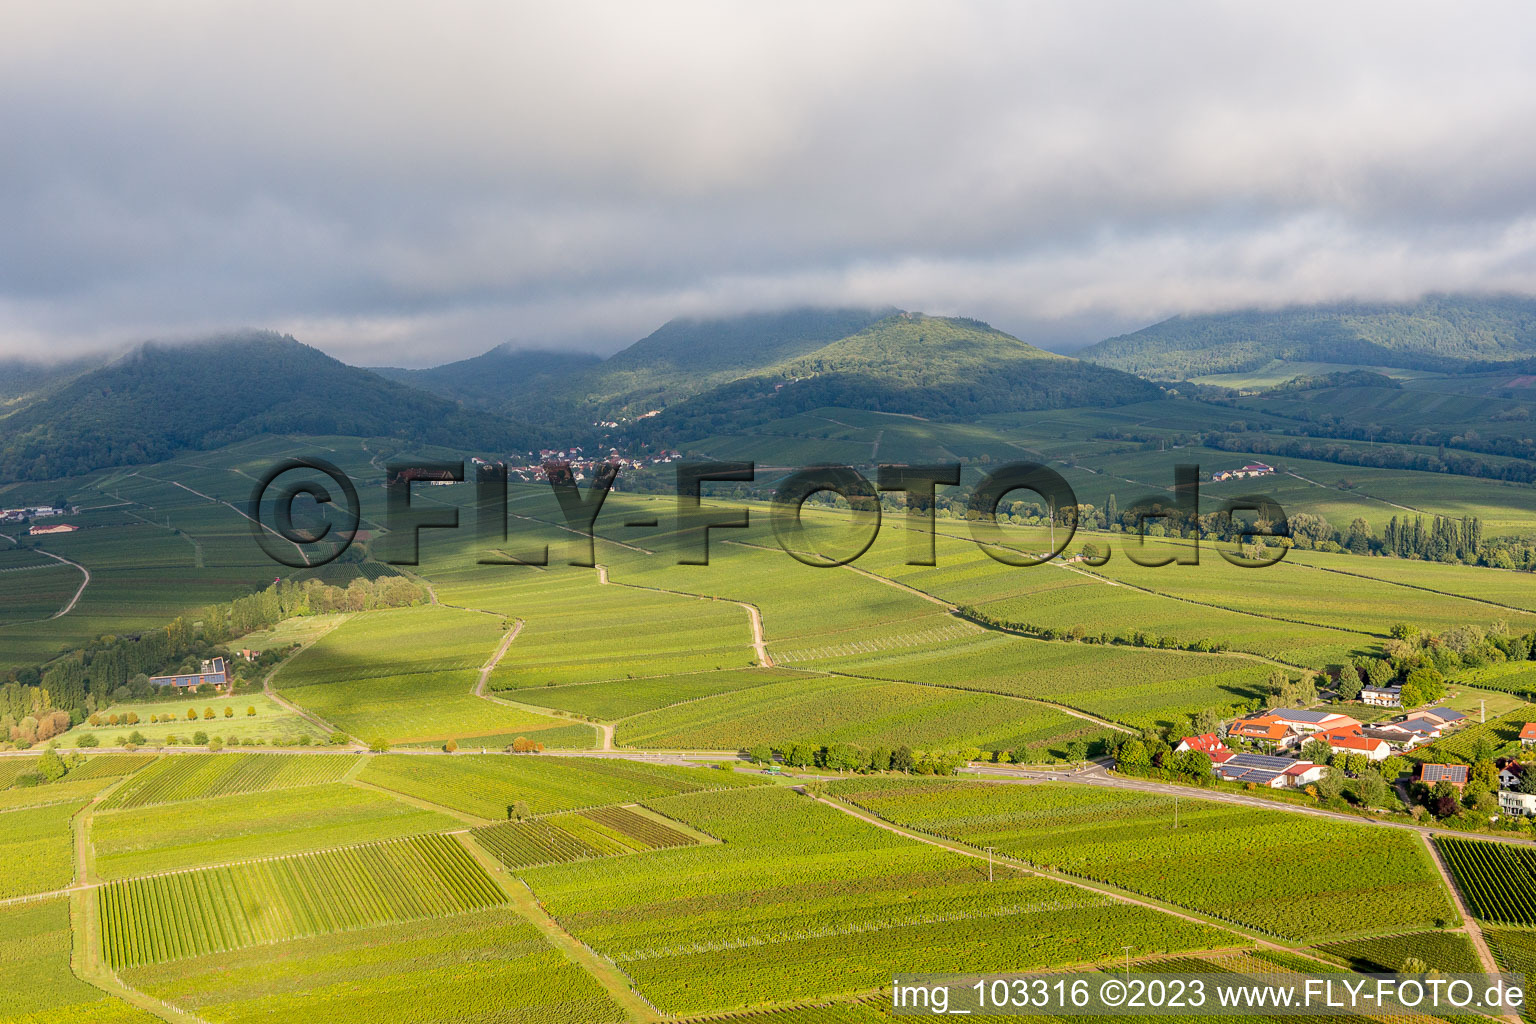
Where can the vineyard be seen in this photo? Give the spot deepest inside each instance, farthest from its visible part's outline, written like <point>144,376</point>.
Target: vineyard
<point>10,767</point>
<point>1498,879</point>
<point>796,885</point>
<point>196,776</point>
<point>599,832</point>
<point>1139,686</point>
<point>486,785</point>
<point>621,698</point>
<point>220,830</point>
<point>37,848</point>
<point>1446,952</point>
<point>1290,876</point>
<point>866,712</point>
<point>1515,951</point>
<point>167,917</point>
<point>479,966</point>
<point>35,948</point>
<point>110,766</point>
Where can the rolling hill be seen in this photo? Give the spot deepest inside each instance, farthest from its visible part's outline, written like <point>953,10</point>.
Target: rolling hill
<point>1442,333</point>
<point>503,378</point>
<point>161,399</point>
<point>934,367</point>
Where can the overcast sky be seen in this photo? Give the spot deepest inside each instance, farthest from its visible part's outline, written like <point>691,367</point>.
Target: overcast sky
<point>411,183</point>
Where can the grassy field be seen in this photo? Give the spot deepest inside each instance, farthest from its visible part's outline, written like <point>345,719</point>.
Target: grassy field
<point>478,966</point>
<point>270,724</point>
<point>487,785</point>
<point>168,917</point>
<point>195,833</point>
<point>1291,876</point>
<point>801,902</point>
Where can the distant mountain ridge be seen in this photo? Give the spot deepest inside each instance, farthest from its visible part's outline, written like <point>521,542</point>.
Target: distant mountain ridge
<point>944,368</point>
<point>161,399</point>
<point>497,378</point>
<point>693,375</point>
<point>1440,333</point>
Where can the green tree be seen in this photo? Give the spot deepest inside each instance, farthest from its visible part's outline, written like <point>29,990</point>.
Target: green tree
<point>1331,785</point>
<point>901,759</point>
<point>842,758</point>
<point>761,754</point>
<point>50,765</point>
<point>1132,758</point>
<point>1316,751</point>
<point>1373,790</point>
<point>379,745</point>
<point>1348,683</point>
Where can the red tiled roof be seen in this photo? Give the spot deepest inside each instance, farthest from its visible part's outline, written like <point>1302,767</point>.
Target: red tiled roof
<point>1354,742</point>
<point>1206,741</point>
<point>1528,731</point>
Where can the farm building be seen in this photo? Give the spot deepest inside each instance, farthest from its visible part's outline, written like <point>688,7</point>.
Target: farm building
<point>1264,729</point>
<point>213,672</point>
<point>1206,742</point>
<point>1309,722</point>
<point>1455,774</point>
<point>1251,470</point>
<point>1418,730</point>
<point>1352,740</point>
<point>43,531</point>
<point>1445,716</point>
<point>1382,696</point>
<point>1270,772</point>
<point>1394,739</point>
<point>1528,734</point>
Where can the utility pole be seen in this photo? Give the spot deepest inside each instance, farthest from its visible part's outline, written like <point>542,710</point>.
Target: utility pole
<point>1483,714</point>
<point>1175,811</point>
<point>1127,962</point>
<point>1052,503</point>
<point>989,863</point>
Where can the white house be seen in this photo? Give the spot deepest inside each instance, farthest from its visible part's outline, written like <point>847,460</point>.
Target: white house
<point>1512,802</point>
<point>1354,741</point>
<point>1382,696</point>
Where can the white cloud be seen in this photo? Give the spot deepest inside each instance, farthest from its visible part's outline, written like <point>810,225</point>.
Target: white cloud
<point>407,183</point>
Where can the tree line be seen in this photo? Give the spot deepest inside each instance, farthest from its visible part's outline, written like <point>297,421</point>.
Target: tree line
<point>117,668</point>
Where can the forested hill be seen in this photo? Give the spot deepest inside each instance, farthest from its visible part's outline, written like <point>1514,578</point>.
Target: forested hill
<point>502,378</point>
<point>161,399</point>
<point>934,367</point>
<point>1441,332</point>
<point>688,356</point>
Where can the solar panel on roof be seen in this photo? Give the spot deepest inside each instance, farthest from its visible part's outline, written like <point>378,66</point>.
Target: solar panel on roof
<point>1263,761</point>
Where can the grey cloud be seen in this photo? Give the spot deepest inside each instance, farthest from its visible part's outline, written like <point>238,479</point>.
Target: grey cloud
<point>408,183</point>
